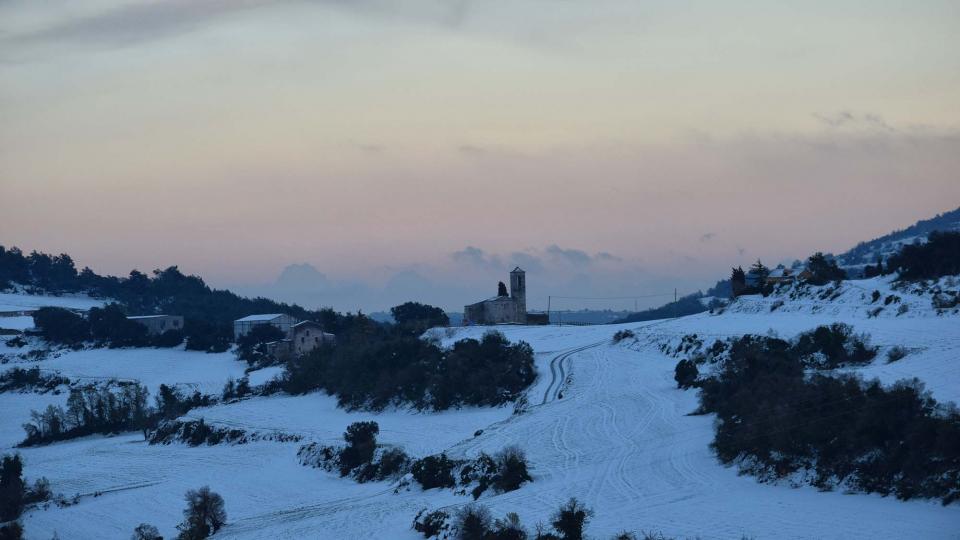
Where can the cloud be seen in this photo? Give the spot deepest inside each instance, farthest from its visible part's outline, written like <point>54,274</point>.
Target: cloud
<point>572,256</point>
<point>140,22</point>
<point>706,237</point>
<point>475,256</point>
<point>152,20</point>
<point>604,256</point>
<point>848,119</point>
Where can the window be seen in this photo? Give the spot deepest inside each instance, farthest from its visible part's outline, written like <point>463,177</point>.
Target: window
<point>303,339</point>
<point>316,340</point>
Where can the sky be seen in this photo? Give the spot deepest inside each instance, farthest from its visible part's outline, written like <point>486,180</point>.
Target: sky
<point>362,153</point>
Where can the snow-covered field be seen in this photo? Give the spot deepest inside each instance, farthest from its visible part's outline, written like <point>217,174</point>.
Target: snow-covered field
<point>605,423</point>
<point>19,302</point>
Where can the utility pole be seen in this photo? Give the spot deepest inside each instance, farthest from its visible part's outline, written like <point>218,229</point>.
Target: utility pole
<point>549,298</point>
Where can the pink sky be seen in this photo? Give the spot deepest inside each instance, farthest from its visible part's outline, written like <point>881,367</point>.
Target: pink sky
<point>373,141</point>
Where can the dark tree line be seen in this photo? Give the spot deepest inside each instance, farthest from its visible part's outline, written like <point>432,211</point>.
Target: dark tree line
<point>939,256</point>
<point>397,368</point>
<point>889,440</point>
<point>105,409</point>
<point>474,522</point>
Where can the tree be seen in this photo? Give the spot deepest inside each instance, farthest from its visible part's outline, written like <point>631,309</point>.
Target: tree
<point>61,325</point>
<point>145,531</point>
<point>760,273</point>
<point>415,318</point>
<point>203,516</point>
<point>361,438</point>
<point>502,289</point>
<point>738,280</point>
<point>472,522</point>
<point>570,520</point>
<point>11,487</point>
<point>823,270</point>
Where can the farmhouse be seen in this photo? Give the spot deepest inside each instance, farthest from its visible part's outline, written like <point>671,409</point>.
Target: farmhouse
<point>158,324</point>
<point>304,337</point>
<point>282,321</point>
<point>503,308</point>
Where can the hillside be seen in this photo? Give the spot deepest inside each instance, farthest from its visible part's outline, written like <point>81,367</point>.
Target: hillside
<point>888,244</point>
<point>603,422</point>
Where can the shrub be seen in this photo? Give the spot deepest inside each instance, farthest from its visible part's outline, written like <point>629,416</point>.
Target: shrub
<point>11,531</point>
<point>508,528</point>
<point>434,471</point>
<point>511,469</point>
<point>895,440</point>
<point>170,338</point>
<point>61,325</point>
<point>903,309</point>
<point>361,438</point>
<point>203,516</point>
<point>392,462</point>
<point>896,353</point>
<point>686,374</point>
<point>472,522</point>
<point>145,531</point>
<point>571,519</point>
<point>430,524</point>
<point>833,346</point>
<point>622,335</point>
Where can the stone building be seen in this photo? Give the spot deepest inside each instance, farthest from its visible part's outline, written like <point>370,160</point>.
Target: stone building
<point>158,324</point>
<point>304,337</point>
<point>501,309</point>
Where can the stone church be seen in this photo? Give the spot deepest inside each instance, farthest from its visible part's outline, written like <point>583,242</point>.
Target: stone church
<point>503,308</point>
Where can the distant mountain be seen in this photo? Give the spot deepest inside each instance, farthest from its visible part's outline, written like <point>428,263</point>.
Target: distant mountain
<point>867,252</point>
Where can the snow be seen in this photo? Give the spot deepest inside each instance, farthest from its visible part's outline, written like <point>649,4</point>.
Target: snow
<point>317,417</point>
<point>19,302</point>
<point>605,423</point>
<point>264,317</point>
<point>193,370</point>
<point>16,323</point>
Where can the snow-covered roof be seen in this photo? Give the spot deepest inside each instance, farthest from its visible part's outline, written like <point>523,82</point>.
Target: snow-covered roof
<point>307,323</point>
<point>150,316</point>
<point>261,317</point>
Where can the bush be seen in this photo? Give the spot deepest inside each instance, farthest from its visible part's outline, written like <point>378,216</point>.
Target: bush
<point>203,516</point>
<point>571,519</point>
<point>472,522</point>
<point>61,325</point>
<point>896,353</point>
<point>415,318</point>
<point>30,378</point>
<point>833,346</point>
<point>361,438</point>
<point>434,471</point>
<point>511,469</point>
<point>430,524</point>
<point>168,339</point>
<point>622,335</point>
<point>686,374</point>
<point>145,531</point>
<point>11,531</point>
<point>775,420</point>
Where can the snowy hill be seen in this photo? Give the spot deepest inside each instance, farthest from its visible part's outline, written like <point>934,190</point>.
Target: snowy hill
<point>867,252</point>
<point>603,422</point>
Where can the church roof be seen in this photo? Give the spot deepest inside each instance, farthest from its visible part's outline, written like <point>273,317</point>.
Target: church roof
<point>517,269</point>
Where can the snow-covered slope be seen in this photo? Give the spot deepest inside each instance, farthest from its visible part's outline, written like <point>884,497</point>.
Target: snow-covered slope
<point>604,422</point>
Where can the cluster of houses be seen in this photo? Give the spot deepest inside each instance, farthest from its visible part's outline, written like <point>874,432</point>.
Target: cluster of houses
<point>301,336</point>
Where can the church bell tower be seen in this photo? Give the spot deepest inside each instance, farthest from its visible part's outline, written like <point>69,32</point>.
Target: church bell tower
<point>518,291</point>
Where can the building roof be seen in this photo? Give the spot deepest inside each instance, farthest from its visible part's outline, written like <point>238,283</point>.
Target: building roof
<point>150,316</point>
<point>302,324</point>
<point>517,269</point>
<point>260,318</point>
